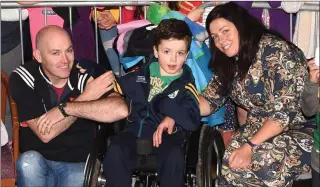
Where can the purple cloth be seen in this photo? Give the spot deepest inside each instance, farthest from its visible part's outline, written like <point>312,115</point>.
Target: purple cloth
<point>83,36</point>
<point>279,19</point>
<point>7,167</point>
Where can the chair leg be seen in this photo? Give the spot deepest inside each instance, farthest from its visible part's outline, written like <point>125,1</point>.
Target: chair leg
<point>8,182</point>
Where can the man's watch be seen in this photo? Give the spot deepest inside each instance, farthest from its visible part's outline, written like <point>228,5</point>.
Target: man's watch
<point>62,108</point>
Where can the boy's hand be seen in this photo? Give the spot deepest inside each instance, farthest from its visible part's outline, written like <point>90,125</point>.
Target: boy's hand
<point>314,71</point>
<point>167,123</point>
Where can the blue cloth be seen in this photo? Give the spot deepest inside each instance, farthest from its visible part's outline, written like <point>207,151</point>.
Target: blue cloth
<point>34,170</point>
<point>107,37</point>
<point>198,60</point>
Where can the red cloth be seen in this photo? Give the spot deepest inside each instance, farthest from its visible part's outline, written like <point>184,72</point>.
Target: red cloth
<point>59,91</point>
<point>127,15</point>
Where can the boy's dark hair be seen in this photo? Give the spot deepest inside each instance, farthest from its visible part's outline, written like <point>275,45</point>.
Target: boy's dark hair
<point>172,29</point>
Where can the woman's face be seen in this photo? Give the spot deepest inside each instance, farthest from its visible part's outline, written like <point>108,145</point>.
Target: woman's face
<point>225,36</point>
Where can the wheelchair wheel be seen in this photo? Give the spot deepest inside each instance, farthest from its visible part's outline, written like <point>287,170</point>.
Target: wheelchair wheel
<point>92,172</point>
<point>212,154</point>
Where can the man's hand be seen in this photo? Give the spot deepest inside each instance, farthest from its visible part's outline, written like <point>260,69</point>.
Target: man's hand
<point>99,86</point>
<point>47,120</point>
<point>166,124</point>
<point>241,157</point>
<point>313,71</point>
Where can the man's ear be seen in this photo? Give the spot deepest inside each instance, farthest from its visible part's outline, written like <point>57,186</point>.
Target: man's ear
<point>155,51</point>
<point>37,55</point>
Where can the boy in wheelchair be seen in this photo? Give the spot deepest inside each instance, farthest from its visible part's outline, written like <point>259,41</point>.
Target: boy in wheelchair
<point>162,95</point>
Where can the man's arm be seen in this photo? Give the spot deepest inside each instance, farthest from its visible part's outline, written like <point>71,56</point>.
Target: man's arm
<point>109,109</point>
<point>57,129</point>
<point>87,106</point>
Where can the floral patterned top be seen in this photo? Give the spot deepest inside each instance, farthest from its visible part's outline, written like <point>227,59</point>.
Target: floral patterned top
<point>272,88</point>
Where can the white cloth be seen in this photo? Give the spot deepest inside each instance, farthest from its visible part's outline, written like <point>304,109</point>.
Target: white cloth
<point>291,7</point>
<point>306,35</point>
<point>4,135</point>
<point>12,14</point>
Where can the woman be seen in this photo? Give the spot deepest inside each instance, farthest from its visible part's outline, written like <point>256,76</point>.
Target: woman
<point>264,74</point>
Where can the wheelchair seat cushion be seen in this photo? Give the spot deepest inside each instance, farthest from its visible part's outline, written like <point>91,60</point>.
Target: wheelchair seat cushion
<point>144,146</point>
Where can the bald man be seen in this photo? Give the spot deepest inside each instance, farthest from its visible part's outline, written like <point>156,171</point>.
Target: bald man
<point>58,105</point>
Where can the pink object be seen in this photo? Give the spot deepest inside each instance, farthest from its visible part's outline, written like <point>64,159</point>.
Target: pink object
<point>124,28</point>
<point>120,42</point>
<point>132,25</point>
<point>37,21</point>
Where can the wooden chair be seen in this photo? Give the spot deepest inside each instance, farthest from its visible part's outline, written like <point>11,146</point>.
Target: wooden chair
<point>5,94</point>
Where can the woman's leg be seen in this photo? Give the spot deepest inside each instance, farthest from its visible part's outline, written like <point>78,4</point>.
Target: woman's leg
<point>276,162</point>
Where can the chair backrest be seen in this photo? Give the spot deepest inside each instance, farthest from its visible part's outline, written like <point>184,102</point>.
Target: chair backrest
<point>5,94</point>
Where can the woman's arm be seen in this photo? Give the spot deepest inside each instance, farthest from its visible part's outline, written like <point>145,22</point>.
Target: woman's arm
<point>210,101</point>
<point>241,115</point>
<point>204,106</point>
<point>269,129</point>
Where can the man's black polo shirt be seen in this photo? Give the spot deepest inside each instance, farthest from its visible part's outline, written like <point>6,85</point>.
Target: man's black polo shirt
<point>34,95</point>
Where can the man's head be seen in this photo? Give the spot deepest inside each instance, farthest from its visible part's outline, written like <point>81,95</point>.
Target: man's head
<point>172,40</point>
<point>54,51</point>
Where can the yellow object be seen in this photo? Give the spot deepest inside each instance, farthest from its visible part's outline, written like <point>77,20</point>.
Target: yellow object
<point>114,12</point>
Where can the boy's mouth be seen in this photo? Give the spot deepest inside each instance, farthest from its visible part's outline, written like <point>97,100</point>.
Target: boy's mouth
<point>172,67</point>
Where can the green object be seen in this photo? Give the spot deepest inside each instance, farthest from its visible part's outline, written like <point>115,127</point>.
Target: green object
<point>158,83</point>
<point>155,13</point>
<point>316,134</point>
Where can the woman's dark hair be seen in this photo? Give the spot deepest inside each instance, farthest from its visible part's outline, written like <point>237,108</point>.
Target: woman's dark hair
<point>173,5</point>
<point>250,32</point>
<point>138,12</point>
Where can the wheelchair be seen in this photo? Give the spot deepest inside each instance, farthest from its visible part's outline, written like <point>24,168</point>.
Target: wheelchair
<point>145,175</point>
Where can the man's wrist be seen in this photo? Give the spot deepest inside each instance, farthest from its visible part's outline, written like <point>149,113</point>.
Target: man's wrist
<point>62,109</point>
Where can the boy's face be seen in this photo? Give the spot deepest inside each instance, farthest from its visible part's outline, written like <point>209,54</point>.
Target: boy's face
<point>171,55</point>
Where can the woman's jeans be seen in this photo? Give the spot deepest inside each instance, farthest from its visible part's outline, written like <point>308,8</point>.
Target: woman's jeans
<point>35,171</point>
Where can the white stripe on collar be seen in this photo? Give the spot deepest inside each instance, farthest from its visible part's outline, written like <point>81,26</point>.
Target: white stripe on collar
<point>69,84</point>
<point>48,81</point>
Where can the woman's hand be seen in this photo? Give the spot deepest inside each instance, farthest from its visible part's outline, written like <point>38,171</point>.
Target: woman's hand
<point>241,157</point>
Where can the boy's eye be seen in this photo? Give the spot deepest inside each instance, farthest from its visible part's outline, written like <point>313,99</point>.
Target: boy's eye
<point>166,52</point>
<point>181,53</point>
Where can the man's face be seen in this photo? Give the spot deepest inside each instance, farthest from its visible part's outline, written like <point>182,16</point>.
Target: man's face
<point>56,55</point>
<point>171,55</point>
